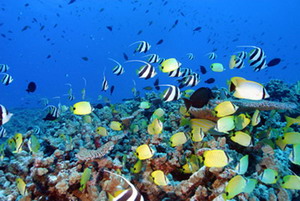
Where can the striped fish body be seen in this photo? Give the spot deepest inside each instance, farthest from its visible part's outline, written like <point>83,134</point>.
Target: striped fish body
<point>4,68</point>
<point>204,124</point>
<point>190,56</point>
<point>190,81</point>
<point>161,60</point>
<point>257,59</point>
<point>239,63</point>
<point>171,94</point>
<point>71,97</point>
<point>153,58</point>
<point>147,72</point>
<point>212,56</point>
<point>3,132</point>
<point>105,85</point>
<point>54,111</point>
<point>259,65</point>
<point>129,195</point>
<point>143,47</point>
<point>242,55</point>
<point>118,70</point>
<point>7,79</point>
<point>175,73</point>
<point>185,72</point>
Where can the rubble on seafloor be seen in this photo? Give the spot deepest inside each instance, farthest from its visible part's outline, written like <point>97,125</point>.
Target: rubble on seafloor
<point>69,145</point>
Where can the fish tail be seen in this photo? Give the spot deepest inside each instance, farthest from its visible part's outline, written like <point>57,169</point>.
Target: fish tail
<point>187,103</point>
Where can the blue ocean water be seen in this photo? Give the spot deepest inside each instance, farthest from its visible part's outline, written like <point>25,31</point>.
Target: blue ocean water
<point>73,31</point>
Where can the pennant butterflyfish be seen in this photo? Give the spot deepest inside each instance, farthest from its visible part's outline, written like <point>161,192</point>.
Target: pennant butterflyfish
<point>197,134</point>
<point>155,127</point>
<point>118,69</point>
<point>116,126</point>
<point>250,186</point>
<point>189,81</point>
<point>295,154</point>
<point>33,144</point>
<point>18,139</point>
<point>146,71</point>
<point>255,120</point>
<point>290,121</point>
<point>257,59</point>
<point>137,167</point>
<point>85,177</point>
<point>21,185</point>
<point>212,55</point>
<point>171,94</point>
<point>4,68</point>
<point>186,71</point>
<point>152,58</point>
<point>142,47</point>
<point>6,79</point>
<point>102,131</point>
<point>217,67</point>
<point>104,85</point>
<point>290,182</point>
<point>241,138</point>
<point>241,121</point>
<point>175,73</point>
<point>169,65</point>
<point>236,62</point>
<point>4,115</point>
<point>144,152</point>
<point>225,124</point>
<point>159,178</point>
<point>215,158</point>
<point>291,138</point>
<point>242,55</point>
<point>235,186</point>
<point>3,132</point>
<point>225,108</point>
<point>204,124</point>
<point>82,108</point>
<point>178,139</point>
<point>269,176</point>
<point>128,194</point>
<point>190,56</point>
<point>242,166</point>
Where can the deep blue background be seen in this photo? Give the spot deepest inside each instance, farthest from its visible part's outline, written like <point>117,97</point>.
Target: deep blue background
<point>81,32</point>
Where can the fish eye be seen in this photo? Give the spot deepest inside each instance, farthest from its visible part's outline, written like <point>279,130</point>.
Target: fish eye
<point>226,193</point>
<point>137,153</point>
<point>74,108</point>
<point>282,138</point>
<point>276,177</point>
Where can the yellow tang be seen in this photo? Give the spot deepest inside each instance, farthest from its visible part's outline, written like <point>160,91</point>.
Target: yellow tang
<point>225,108</point>
<point>155,127</point>
<point>290,121</point>
<point>250,186</point>
<point>250,90</point>
<point>159,178</point>
<point>232,61</point>
<point>18,138</point>
<point>169,65</point>
<point>255,118</point>
<point>241,122</point>
<point>242,166</point>
<point>116,126</point>
<point>235,186</point>
<point>269,176</point>
<point>85,177</point>
<point>137,167</point>
<point>102,131</point>
<point>197,134</point>
<point>21,185</point>
<point>145,105</point>
<point>178,139</point>
<point>82,108</point>
<point>225,124</point>
<point>290,182</point>
<point>295,154</point>
<point>217,67</point>
<point>241,138</point>
<point>215,158</point>
<point>291,138</point>
<point>205,124</point>
<point>144,152</point>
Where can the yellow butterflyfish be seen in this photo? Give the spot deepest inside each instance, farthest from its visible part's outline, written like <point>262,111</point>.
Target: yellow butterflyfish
<point>155,127</point>
<point>169,65</point>
<point>235,186</point>
<point>241,138</point>
<point>18,138</point>
<point>225,108</point>
<point>159,178</point>
<point>144,152</point>
<point>137,167</point>
<point>215,158</point>
<point>85,177</point>
<point>225,124</point>
<point>197,134</point>
<point>116,126</point>
<point>242,166</point>
<point>269,176</point>
<point>255,120</point>
<point>295,154</point>
<point>82,108</point>
<point>21,185</point>
<point>102,131</point>
<point>178,139</point>
<point>217,67</point>
<point>290,182</point>
<point>291,138</point>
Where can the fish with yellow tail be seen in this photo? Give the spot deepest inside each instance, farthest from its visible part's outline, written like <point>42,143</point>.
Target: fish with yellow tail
<point>82,108</point>
<point>144,152</point>
<point>235,186</point>
<point>159,178</point>
<point>85,177</point>
<point>178,139</point>
<point>155,127</point>
<point>225,108</point>
<point>215,158</point>
<point>169,65</point>
<point>21,185</point>
<point>116,126</point>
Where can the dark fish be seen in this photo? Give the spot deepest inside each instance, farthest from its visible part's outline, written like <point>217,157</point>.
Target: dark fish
<point>197,29</point>
<point>49,56</point>
<point>55,26</point>
<point>203,70</point>
<point>109,28</point>
<point>112,88</point>
<point>31,87</point>
<point>210,81</point>
<point>150,23</point>
<point>156,84</point>
<point>199,98</point>
<point>160,42</point>
<point>25,28</point>
<point>3,35</point>
<point>42,27</point>
<point>85,58</point>
<point>274,62</point>
<point>101,10</point>
<point>148,88</point>
<point>125,56</point>
<point>182,14</point>
<point>71,1</point>
<point>49,117</point>
<point>139,32</point>
<point>26,5</point>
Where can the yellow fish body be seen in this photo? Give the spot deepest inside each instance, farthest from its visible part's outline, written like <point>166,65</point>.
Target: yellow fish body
<point>169,65</point>
<point>155,127</point>
<point>82,108</point>
<point>144,152</point>
<point>159,178</point>
<point>215,158</point>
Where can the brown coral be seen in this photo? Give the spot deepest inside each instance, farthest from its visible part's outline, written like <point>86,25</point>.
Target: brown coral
<point>86,155</point>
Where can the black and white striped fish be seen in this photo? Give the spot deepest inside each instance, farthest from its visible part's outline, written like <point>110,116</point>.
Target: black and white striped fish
<point>118,69</point>
<point>239,63</point>
<point>190,56</point>
<point>175,73</point>
<point>171,94</point>
<point>186,71</point>
<point>152,58</point>
<point>3,132</point>
<point>212,55</point>
<point>146,71</point>
<point>4,115</point>
<point>104,85</point>
<point>189,81</point>
<point>131,194</point>
<point>161,60</point>
<point>7,79</point>
<point>242,55</point>
<point>53,113</point>
<point>257,58</point>
<point>4,68</point>
<point>142,47</point>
